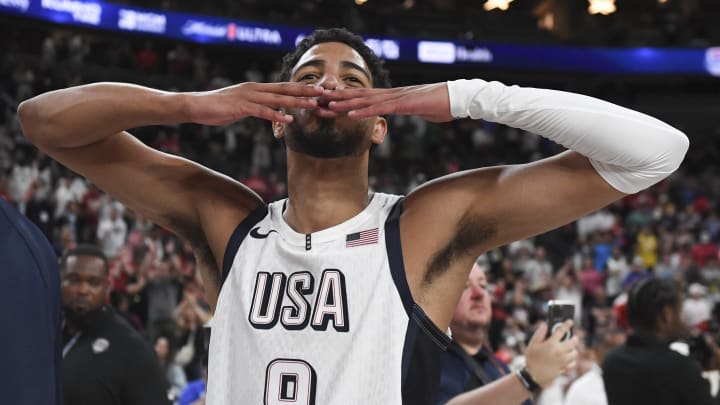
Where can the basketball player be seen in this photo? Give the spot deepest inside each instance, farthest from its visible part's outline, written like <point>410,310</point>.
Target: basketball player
<point>338,295</point>
<point>30,313</point>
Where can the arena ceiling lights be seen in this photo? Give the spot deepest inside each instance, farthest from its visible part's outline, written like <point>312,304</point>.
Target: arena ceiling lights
<point>603,7</point>
<point>499,4</point>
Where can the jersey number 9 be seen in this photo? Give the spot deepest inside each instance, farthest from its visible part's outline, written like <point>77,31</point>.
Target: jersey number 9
<point>289,381</point>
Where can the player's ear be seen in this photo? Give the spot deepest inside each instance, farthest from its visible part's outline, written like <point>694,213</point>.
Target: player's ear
<point>379,130</point>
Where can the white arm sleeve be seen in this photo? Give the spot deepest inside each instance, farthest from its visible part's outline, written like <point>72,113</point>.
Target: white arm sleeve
<point>630,150</point>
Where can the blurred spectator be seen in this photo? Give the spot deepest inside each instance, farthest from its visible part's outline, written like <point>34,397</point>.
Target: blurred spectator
<point>190,316</point>
<point>105,360</point>
<point>647,247</point>
<point>617,269</point>
<point>194,392</point>
<point>602,250</point>
<point>590,278</point>
<point>696,308</point>
<point>538,270</point>
<point>638,272</point>
<point>588,388</point>
<point>569,289</point>
<point>111,233</point>
<point>705,251</point>
<point>69,188</point>
<point>173,372</point>
<point>163,291</point>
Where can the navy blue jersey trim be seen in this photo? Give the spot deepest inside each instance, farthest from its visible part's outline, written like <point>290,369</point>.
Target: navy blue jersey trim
<point>395,257</point>
<point>238,235</point>
<point>439,337</point>
<point>422,365</point>
<point>424,341</point>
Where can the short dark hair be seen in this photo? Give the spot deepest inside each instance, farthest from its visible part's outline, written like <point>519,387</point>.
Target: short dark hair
<point>380,76</point>
<point>85,250</point>
<point>647,299</point>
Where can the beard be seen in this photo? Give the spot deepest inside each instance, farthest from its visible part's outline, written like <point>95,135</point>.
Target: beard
<point>327,141</point>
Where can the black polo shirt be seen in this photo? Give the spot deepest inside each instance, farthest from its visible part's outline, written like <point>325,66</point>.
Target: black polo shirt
<point>111,364</point>
<point>645,371</point>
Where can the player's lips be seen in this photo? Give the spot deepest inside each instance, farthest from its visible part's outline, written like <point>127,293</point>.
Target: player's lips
<point>323,102</point>
<point>322,109</point>
<point>323,112</point>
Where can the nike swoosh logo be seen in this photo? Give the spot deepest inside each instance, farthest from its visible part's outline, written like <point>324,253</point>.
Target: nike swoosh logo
<point>257,235</point>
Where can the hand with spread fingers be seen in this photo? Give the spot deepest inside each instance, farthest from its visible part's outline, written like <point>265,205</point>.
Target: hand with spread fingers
<point>429,101</point>
<point>262,100</point>
<point>547,359</point>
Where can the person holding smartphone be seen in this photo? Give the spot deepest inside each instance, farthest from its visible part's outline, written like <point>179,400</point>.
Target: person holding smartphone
<point>472,374</point>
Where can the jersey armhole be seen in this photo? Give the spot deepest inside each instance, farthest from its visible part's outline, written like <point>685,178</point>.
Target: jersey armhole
<point>395,257</point>
<point>421,329</point>
<point>238,235</point>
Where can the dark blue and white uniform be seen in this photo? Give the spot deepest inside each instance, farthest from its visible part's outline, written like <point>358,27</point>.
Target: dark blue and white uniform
<point>30,313</point>
<point>324,318</point>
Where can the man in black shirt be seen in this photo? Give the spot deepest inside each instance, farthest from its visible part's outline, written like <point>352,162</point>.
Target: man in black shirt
<point>105,360</point>
<point>645,370</point>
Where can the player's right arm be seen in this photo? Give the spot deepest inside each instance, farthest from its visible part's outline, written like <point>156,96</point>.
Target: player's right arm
<point>84,128</point>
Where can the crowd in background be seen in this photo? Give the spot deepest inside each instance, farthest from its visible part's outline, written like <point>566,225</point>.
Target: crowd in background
<point>671,230</point>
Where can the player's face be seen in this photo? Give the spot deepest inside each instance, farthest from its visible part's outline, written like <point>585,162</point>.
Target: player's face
<point>84,283</point>
<point>474,309</point>
<point>320,132</point>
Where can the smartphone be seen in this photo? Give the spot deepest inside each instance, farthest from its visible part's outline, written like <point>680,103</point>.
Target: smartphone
<point>558,313</point>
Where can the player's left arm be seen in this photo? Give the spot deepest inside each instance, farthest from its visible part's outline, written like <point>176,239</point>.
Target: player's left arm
<point>614,151</point>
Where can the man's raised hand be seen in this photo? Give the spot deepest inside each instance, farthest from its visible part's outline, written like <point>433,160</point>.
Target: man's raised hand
<point>547,359</point>
<point>429,101</point>
<point>262,100</point>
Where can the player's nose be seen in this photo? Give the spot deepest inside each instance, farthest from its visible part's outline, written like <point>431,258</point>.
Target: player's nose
<point>330,82</point>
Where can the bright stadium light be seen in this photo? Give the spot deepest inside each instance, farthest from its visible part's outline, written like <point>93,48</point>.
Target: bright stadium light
<point>603,7</point>
<point>500,4</point>
<point>360,2</point>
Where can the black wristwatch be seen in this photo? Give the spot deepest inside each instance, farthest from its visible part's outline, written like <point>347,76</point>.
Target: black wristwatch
<point>527,380</point>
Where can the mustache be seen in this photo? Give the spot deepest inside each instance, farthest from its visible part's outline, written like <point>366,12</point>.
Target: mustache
<point>327,141</point>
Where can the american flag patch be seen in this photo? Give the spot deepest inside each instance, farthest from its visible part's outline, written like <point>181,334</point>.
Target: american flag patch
<point>362,238</point>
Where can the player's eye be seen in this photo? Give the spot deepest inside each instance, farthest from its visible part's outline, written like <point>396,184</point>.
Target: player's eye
<point>308,76</point>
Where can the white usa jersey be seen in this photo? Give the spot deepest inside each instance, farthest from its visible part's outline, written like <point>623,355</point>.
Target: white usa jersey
<point>324,318</point>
